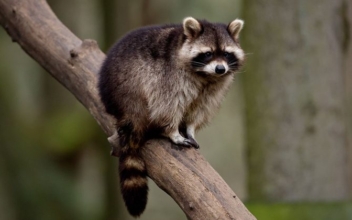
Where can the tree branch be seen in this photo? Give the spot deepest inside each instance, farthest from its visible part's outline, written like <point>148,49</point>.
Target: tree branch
<point>182,173</point>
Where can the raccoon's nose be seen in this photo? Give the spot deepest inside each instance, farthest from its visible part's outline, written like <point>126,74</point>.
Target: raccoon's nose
<point>220,69</point>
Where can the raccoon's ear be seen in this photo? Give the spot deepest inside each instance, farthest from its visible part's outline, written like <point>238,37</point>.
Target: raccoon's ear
<point>191,27</point>
<point>234,28</point>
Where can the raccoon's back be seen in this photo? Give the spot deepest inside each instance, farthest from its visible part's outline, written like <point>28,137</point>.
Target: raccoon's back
<point>140,56</point>
<point>147,44</point>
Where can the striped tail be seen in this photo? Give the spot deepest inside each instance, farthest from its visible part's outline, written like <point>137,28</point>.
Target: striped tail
<point>133,181</point>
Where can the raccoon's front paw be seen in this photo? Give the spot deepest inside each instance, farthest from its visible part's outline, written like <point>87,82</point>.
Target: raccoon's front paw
<point>186,142</point>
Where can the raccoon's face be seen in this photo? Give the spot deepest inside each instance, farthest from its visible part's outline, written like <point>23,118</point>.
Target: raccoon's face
<point>212,49</point>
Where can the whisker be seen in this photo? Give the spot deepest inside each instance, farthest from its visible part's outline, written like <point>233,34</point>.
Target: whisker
<point>232,60</point>
<point>233,63</point>
<point>197,64</point>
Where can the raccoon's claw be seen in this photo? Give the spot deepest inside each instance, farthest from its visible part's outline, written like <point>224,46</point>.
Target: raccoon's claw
<point>189,143</point>
<point>192,142</point>
<point>186,142</point>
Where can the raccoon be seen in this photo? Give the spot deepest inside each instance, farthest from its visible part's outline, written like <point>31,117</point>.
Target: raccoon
<point>166,81</point>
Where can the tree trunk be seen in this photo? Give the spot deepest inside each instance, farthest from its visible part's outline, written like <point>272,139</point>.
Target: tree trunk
<point>295,98</point>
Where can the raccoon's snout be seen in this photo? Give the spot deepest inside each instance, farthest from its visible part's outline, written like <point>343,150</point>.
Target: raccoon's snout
<point>220,69</point>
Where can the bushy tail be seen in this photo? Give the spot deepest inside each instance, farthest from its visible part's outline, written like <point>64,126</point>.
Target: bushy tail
<point>133,181</point>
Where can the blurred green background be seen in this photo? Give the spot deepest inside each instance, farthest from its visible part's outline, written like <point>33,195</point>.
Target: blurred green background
<point>282,139</point>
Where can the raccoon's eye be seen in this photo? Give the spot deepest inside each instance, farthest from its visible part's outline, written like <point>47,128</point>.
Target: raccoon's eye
<point>208,54</point>
<point>226,54</point>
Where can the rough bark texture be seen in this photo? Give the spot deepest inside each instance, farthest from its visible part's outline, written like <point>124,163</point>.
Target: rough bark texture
<point>182,173</point>
<point>296,120</point>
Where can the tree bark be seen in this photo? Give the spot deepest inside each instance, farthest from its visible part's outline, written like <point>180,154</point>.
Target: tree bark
<point>294,88</point>
<point>182,173</point>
